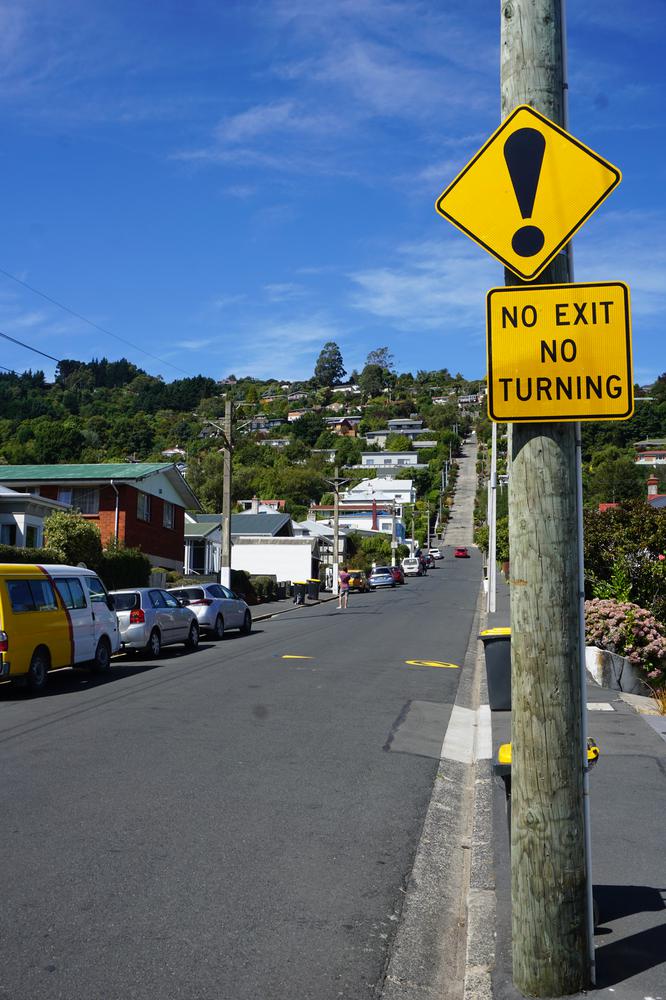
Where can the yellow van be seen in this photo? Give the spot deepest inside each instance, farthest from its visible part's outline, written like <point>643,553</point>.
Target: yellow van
<point>53,617</point>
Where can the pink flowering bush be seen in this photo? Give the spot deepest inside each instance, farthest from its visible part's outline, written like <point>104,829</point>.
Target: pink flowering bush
<point>631,631</point>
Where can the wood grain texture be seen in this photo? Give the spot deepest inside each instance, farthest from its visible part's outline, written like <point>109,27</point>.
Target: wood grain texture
<point>547,835</point>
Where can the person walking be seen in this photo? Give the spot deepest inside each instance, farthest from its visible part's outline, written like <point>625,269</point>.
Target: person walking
<point>343,588</point>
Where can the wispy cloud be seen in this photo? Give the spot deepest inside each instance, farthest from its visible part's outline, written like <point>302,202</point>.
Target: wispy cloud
<point>431,286</point>
<point>284,291</point>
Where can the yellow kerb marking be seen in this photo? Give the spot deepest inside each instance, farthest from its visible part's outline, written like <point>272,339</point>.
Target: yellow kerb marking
<point>293,656</point>
<point>431,663</point>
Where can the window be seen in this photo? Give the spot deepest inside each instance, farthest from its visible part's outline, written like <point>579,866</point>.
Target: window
<point>71,593</point>
<point>157,598</point>
<point>84,498</point>
<point>31,539</point>
<point>8,534</point>
<point>143,507</point>
<point>96,590</point>
<point>31,595</point>
<point>170,600</point>
<point>167,517</point>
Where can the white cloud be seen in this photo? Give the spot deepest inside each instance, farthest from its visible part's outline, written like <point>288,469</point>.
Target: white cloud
<point>432,286</point>
<point>284,291</point>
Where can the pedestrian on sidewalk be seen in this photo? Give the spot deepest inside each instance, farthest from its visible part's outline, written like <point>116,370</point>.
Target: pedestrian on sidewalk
<point>343,588</point>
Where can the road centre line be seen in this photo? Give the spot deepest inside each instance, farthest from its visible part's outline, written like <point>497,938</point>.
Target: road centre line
<point>432,663</point>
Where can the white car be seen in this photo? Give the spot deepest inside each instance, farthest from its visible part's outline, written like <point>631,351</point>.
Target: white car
<point>435,553</point>
<point>217,609</point>
<point>150,618</point>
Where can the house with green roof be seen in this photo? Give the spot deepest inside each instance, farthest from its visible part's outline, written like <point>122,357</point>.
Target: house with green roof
<point>139,504</point>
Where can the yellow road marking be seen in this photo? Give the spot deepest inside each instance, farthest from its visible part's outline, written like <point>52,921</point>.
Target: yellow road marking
<point>432,663</point>
<point>293,656</point>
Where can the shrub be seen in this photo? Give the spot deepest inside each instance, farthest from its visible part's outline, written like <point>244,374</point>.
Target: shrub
<point>122,567</point>
<point>12,554</point>
<point>631,631</point>
<point>78,540</point>
<point>265,587</point>
<point>241,584</point>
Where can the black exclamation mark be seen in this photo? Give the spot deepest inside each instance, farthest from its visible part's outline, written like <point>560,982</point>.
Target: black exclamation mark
<point>523,152</point>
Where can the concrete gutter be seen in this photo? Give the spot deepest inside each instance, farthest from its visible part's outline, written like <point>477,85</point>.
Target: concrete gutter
<point>293,607</point>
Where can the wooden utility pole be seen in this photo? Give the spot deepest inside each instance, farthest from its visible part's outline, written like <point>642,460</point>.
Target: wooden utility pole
<point>548,876</point>
<point>225,552</point>
<point>336,533</point>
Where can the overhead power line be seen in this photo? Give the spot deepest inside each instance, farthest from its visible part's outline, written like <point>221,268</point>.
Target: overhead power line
<point>90,322</point>
<point>28,347</point>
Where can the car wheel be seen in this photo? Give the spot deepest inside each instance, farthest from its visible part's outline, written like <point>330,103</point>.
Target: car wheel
<point>154,647</point>
<point>192,640</point>
<point>218,628</point>
<point>38,671</point>
<point>247,624</point>
<point>102,661</point>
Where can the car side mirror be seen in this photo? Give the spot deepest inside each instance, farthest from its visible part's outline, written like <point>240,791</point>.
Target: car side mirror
<point>110,602</point>
<point>181,602</point>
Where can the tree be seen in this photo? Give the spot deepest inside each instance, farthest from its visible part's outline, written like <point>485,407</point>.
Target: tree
<point>76,538</point>
<point>371,381</point>
<point>398,442</point>
<point>381,356</point>
<point>613,476</point>
<point>308,427</point>
<point>329,369</point>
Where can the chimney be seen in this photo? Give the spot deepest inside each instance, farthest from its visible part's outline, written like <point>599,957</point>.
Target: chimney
<point>312,513</point>
<point>254,509</point>
<point>652,485</point>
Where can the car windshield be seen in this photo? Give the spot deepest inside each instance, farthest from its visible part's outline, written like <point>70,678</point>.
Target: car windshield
<point>126,602</point>
<point>382,569</point>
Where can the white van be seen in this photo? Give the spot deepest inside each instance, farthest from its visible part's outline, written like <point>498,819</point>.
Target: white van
<point>411,566</point>
<point>53,617</point>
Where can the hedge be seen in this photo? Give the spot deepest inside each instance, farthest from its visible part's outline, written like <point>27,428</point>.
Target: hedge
<point>12,554</point>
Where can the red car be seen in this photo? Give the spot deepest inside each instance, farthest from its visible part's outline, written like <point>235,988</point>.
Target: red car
<point>461,552</point>
<point>397,574</point>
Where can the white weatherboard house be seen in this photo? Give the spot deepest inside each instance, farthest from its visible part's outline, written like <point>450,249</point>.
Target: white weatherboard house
<point>391,460</point>
<point>22,517</point>
<point>402,491</point>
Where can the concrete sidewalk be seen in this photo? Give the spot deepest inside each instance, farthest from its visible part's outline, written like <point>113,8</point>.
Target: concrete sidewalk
<point>628,806</point>
<point>261,612</point>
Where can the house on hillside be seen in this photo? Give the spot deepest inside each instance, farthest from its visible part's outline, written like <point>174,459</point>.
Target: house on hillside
<point>22,517</point>
<point>391,460</point>
<point>141,505</point>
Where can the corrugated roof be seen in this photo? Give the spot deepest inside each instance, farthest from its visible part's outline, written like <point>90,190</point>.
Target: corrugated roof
<point>105,471</point>
<point>109,470</point>
<point>258,524</point>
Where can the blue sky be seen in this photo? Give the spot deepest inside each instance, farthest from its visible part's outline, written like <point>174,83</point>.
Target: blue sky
<point>228,185</point>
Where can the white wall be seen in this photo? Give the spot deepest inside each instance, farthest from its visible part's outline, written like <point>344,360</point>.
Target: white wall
<point>292,561</point>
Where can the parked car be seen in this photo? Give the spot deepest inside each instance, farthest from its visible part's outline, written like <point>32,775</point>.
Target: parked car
<point>461,552</point>
<point>53,617</point>
<point>358,581</point>
<point>381,576</point>
<point>411,566</point>
<point>435,553</point>
<point>217,609</point>
<point>398,574</point>
<point>150,618</point>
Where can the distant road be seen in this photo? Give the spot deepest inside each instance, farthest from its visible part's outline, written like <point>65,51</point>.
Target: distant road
<point>229,824</point>
<point>460,528</point>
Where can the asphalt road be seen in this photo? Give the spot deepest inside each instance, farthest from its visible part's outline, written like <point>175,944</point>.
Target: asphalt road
<point>228,824</point>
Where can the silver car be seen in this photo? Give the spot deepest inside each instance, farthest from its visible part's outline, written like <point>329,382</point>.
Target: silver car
<point>217,609</point>
<point>150,618</point>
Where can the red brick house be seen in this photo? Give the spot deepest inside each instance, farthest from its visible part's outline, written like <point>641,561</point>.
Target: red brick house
<point>141,504</point>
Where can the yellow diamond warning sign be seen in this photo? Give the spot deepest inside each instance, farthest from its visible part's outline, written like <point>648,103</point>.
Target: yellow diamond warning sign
<point>559,352</point>
<point>527,191</point>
